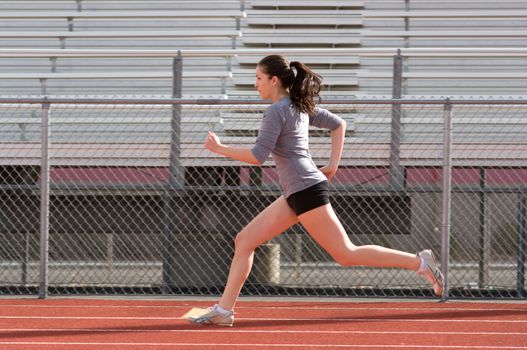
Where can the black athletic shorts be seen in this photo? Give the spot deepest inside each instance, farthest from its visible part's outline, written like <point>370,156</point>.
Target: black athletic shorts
<point>310,198</point>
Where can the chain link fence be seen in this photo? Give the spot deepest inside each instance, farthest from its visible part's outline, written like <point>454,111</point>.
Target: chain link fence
<point>138,206</point>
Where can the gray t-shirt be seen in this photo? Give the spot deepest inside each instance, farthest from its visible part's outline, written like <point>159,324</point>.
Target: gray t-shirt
<point>284,134</point>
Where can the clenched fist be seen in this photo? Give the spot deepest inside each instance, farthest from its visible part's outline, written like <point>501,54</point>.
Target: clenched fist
<point>212,142</point>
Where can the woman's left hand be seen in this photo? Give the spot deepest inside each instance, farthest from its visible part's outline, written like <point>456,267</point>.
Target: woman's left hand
<point>212,142</point>
<point>329,171</point>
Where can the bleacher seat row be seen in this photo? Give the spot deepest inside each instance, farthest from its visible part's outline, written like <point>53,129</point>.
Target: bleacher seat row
<point>178,24</point>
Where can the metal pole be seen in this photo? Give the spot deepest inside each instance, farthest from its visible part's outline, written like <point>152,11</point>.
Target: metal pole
<point>446,200</point>
<point>176,178</point>
<point>44,203</point>
<point>176,170</point>
<point>522,239</point>
<point>396,172</point>
<point>484,235</point>
<point>27,236</point>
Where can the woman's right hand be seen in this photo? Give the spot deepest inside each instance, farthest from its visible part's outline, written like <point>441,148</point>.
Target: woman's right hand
<point>212,142</point>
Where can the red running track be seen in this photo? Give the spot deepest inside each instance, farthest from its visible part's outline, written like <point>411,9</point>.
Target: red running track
<point>95,324</point>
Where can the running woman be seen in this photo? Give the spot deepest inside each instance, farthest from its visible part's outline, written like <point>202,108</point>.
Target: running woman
<point>292,87</point>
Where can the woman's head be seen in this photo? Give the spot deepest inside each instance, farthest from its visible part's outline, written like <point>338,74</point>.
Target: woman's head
<point>275,71</point>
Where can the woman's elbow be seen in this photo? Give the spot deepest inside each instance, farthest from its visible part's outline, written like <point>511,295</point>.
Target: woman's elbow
<point>341,126</point>
<point>255,162</point>
<point>252,159</point>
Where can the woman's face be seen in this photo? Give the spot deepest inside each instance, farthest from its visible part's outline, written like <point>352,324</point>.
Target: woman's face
<point>264,84</point>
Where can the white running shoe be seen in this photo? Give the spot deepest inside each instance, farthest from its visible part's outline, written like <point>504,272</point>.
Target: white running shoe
<point>431,272</point>
<point>214,317</point>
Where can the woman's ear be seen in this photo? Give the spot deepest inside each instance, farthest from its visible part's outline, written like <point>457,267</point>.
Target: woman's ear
<point>274,80</point>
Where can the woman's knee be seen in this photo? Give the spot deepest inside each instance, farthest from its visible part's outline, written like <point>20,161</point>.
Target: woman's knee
<point>243,244</point>
<point>344,260</point>
<point>345,257</point>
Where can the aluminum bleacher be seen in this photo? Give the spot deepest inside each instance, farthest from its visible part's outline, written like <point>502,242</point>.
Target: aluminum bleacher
<point>201,24</point>
<point>463,24</point>
<point>419,23</point>
<point>97,24</point>
<point>304,24</point>
<point>245,25</point>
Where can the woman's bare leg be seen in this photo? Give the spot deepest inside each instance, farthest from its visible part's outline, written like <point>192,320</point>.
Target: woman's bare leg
<point>271,222</point>
<point>326,229</point>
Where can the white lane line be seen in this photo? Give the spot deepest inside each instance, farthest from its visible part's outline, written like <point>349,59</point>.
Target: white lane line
<point>369,346</point>
<point>88,318</point>
<point>266,307</point>
<point>117,330</point>
<point>372,319</point>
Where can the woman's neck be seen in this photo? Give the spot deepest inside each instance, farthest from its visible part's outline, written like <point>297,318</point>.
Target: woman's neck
<point>280,94</point>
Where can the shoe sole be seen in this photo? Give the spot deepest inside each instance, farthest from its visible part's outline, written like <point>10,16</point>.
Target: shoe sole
<point>209,323</point>
<point>440,281</point>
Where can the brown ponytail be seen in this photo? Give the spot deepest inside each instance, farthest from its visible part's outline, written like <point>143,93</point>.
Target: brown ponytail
<point>303,84</point>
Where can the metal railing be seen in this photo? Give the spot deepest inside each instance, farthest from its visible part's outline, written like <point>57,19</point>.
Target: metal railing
<point>128,200</point>
<point>398,75</point>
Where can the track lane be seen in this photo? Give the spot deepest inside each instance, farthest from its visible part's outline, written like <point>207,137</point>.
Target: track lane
<point>111,324</point>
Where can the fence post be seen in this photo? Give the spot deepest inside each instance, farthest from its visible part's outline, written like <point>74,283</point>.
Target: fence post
<point>396,172</point>
<point>484,232</point>
<point>44,202</point>
<point>446,194</point>
<point>176,170</point>
<point>522,233</point>
<point>176,176</point>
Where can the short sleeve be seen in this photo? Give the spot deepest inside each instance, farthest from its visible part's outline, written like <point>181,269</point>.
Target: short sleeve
<point>325,119</point>
<point>268,134</point>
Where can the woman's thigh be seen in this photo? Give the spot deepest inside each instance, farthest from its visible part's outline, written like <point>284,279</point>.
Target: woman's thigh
<point>271,222</point>
<point>326,229</point>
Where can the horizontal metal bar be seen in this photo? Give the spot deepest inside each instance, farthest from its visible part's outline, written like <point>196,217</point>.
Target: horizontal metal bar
<point>227,190</point>
<point>207,102</point>
<point>458,13</point>
<point>179,14</point>
<point>366,52</point>
<point>121,34</point>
